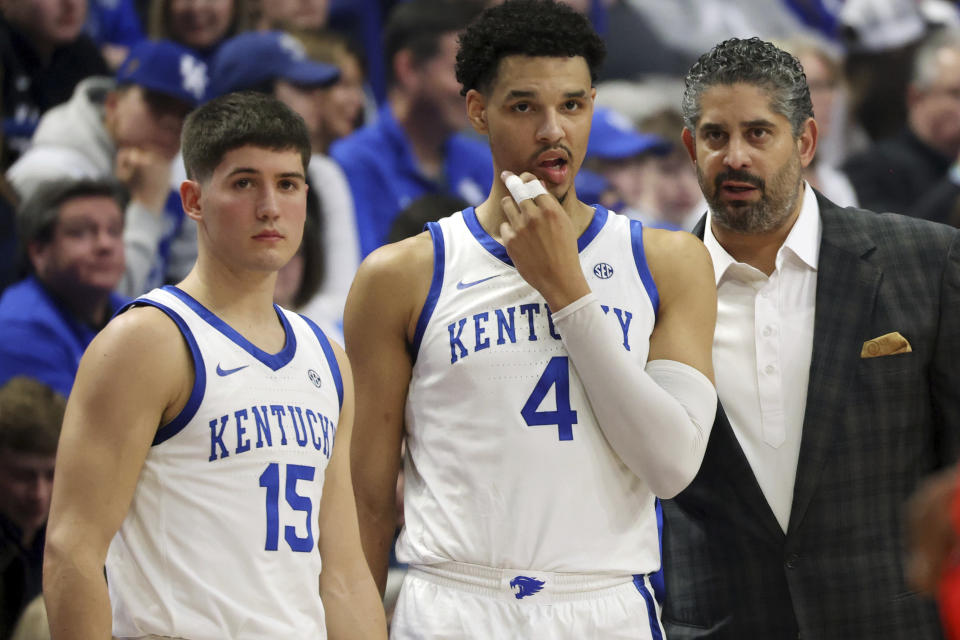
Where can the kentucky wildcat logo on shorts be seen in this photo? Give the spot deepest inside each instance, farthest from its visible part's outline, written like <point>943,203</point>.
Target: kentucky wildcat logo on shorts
<point>527,586</point>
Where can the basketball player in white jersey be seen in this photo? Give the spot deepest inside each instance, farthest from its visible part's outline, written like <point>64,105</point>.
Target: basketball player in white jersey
<point>205,448</point>
<point>547,361</point>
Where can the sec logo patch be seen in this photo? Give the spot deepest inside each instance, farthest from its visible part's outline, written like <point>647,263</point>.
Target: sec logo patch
<point>602,270</point>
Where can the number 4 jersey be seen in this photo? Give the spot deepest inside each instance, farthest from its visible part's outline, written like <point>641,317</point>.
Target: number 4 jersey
<point>220,540</point>
<point>506,465</point>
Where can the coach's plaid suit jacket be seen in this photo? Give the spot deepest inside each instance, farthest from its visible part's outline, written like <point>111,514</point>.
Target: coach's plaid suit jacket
<point>872,429</point>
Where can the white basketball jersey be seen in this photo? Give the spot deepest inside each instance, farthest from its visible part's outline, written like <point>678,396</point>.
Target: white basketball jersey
<point>506,466</point>
<point>221,537</point>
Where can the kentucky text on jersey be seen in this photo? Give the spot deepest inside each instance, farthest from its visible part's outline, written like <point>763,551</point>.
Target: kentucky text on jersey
<point>256,428</point>
<point>502,323</point>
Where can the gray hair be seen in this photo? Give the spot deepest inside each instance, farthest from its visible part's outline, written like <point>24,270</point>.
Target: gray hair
<point>751,61</point>
<point>925,67</point>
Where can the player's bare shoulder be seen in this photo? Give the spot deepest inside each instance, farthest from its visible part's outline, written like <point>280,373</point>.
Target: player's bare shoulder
<point>677,259</point>
<point>142,347</point>
<point>394,280</point>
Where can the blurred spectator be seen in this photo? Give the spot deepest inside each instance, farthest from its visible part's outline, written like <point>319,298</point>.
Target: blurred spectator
<point>934,541</point>
<point>291,14</point>
<point>343,104</point>
<point>635,48</point>
<point>671,187</point>
<point>625,157</point>
<point>300,279</point>
<point>427,208</point>
<point>362,20</point>
<point>880,38</point>
<point>71,237</point>
<point>9,266</point>
<point>115,25</point>
<point>200,25</point>
<point>284,71</point>
<point>414,146</point>
<point>30,417</point>
<point>43,55</point>
<point>824,73</point>
<point>693,26</point>
<point>895,174</point>
<point>128,128</point>
<point>641,98</point>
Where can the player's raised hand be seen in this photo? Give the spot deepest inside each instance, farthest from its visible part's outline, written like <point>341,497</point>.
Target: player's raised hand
<point>541,240</point>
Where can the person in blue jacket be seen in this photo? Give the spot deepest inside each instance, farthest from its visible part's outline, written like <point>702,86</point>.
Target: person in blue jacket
<point>416,145</point>
<point>71,239</point>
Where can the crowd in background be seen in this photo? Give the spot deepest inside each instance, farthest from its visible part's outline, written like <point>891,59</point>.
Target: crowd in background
<point>93,97</point>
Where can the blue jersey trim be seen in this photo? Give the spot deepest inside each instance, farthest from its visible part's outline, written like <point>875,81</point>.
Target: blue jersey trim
<point>439,260</point>
<point>636,239</point>
<point>485,239</point>
<point>641,585</point>
<point>500,252</point>
<point>331,357</point>
<point>599,219</point>
<point>656,579</point>
<point>275,361</point>
<point>186,414</point>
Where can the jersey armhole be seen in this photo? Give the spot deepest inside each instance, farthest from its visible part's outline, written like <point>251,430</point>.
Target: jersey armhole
<point>436,284</point>
<point>330,355</point>
<point>189,410</point>
<point>643,269</point>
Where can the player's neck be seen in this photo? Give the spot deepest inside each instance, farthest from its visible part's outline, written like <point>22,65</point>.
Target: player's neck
<point>244,300</point>
<point>490,215</point>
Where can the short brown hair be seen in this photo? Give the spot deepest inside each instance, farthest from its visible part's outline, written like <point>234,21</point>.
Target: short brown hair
<point>31,414</point>
<point>235,120</point>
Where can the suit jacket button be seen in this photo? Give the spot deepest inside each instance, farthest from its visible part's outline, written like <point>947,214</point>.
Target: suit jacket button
<point>792,560</point>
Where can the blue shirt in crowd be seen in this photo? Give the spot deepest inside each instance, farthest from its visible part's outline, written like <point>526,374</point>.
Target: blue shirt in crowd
<point>40,338</point>
<point>384,176</point>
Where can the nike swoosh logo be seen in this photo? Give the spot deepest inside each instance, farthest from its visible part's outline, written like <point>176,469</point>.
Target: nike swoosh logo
<point>467,285</point>
<point>225,372</point>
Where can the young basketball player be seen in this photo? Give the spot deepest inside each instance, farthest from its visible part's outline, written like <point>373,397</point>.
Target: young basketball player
<point>204,449</point>
<point>548,361</point>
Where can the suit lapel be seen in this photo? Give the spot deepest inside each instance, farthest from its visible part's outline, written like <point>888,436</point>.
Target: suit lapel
<point>846,291</point>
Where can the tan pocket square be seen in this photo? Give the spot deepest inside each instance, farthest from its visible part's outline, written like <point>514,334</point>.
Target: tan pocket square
<point>885,345</point>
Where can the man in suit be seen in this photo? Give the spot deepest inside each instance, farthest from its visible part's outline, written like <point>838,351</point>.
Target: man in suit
<point>836,351</point>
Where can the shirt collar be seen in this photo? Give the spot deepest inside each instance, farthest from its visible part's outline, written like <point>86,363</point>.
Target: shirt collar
<point>803,241</point>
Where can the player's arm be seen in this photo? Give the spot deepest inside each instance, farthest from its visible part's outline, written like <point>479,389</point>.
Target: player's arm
<point>657,418</point>
<point>353,607</point>
<point>132,377</point>
<point>380,316</point>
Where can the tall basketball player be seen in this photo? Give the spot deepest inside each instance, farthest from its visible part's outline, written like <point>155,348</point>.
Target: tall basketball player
<point>547,361</point>
<point>205,448</point>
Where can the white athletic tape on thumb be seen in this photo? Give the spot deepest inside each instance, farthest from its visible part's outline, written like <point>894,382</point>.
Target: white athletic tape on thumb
<point>521,190</point>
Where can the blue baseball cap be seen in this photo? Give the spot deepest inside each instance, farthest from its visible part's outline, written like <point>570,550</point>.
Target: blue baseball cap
<point>613,137</point>
<point>167,68</point>
<point>253,58</point>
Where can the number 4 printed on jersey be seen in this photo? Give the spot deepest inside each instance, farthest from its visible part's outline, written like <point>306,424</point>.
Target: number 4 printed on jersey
<point>556,374</point>
<point>270,480</point>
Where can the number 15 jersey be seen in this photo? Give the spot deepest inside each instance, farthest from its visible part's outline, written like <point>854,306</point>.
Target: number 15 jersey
<point>220,540</point>
<point>506,465</point>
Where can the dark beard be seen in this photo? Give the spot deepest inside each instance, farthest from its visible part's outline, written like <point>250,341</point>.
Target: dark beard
<point>777,200</point>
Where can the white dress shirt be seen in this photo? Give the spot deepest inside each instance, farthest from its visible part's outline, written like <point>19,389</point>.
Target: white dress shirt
<point>762,348</point>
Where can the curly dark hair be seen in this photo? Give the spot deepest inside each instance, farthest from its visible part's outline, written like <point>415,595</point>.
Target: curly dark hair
<point>524,28</point>
<point>751,61</point>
